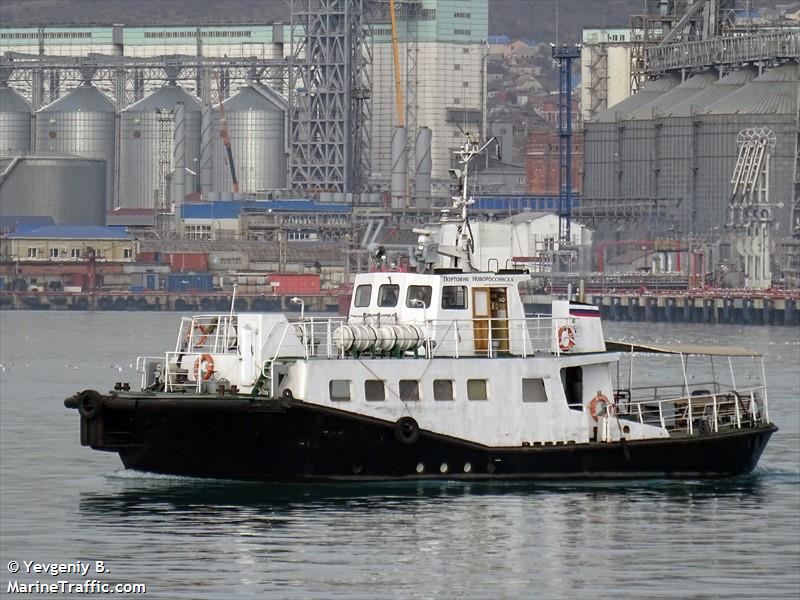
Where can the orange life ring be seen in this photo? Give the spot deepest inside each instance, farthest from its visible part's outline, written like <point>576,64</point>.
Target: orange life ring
<point>600,399</point>
<point>566,338</point>
<point>204,367</point>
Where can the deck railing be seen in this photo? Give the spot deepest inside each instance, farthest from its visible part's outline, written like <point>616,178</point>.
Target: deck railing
<point>489,337</point>
<point>701,412</point>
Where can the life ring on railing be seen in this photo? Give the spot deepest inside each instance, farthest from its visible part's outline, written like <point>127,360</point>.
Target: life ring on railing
<point>566,338</point>
<point>607,406</point>
<point>204,367</point>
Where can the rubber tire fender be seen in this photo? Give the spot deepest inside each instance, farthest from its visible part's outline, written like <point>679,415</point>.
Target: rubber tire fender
<point>90,404</point>
<point>406,431</point>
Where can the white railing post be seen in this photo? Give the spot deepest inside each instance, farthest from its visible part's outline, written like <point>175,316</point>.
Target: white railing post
<point>737,412</point>
<point>753,410</point>
<point>716,414</point>
<point>691,425</point>
<point>660,414</point>
<point>328,340</point>
<point>764,391</point>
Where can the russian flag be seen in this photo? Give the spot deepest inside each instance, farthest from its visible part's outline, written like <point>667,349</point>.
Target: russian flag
<point>584,311</point>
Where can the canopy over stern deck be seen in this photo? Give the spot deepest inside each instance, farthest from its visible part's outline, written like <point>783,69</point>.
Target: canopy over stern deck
<point>686,349</point>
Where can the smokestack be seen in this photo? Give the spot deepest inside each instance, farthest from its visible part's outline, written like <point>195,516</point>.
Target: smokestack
<point>422,168</point>
<point>206,150</point>
<point>399,167</point>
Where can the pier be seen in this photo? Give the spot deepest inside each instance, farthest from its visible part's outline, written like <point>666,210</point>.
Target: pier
<point>734,307</point>
<point>169,301</point>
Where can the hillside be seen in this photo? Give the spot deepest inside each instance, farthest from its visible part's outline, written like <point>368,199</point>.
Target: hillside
<point>532,19</point>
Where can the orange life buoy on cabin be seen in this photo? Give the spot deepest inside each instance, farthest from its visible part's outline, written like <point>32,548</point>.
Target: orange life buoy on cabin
<point>600,399</point>
<point>204,367</point>
<point>566,338</point>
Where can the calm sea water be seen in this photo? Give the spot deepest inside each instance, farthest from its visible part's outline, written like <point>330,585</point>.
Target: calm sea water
<point>184,538</point>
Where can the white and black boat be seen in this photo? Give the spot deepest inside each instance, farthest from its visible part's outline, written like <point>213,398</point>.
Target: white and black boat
<point>433,374</point>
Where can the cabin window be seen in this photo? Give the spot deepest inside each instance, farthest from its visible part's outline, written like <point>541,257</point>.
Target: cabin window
<point>572,380</point>
<point>417,293</point>
<point>339,390</point>
<point>533,390</point>
<point>454,297</point>
<point>388,294</point>
<point>477,389</point>
<point>443,389</point>
<point>409,390</point>
<point>374,390</point>
<point>362,296</point>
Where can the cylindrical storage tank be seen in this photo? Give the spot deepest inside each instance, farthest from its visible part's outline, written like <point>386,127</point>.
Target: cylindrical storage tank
<point>399,167</point>
<point>146,146</point>
<point>15,122</point>
<point>422,167</point>
<point>255,116</point>
<point>69,189</point>
<point>82,123</point>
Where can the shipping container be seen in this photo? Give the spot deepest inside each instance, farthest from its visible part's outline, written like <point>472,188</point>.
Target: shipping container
<point>146,257</point>
<point>227,261</point>
<point>184,282</point>
<point>295,283</point>
<point>184,262</point>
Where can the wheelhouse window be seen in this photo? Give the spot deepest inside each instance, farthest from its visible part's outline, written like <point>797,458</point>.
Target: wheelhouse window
<point>533,390</point>
<point>409,390</point>
<point>388,294</point>
<point>477,389</point>
<point>454,297</point>
<point>362,296</point>
<point>374,390</point>
<point>443,389</point>
<point>339,390</point>
<point>417,294</point>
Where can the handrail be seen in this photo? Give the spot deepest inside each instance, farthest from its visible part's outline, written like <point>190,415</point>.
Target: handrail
<point>710,412</point>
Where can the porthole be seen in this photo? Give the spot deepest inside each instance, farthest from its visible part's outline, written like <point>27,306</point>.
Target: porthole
<point>443,468</point>
<point>467,467</point>
<point>420,468</point>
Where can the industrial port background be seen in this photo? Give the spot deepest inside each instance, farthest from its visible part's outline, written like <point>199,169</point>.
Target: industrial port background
<point>528,19</point>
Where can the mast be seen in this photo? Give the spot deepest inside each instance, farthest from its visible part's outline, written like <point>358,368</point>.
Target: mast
<point>464,246</point>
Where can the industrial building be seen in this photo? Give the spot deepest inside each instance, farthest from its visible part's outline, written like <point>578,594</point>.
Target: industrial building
<point>131,80</point>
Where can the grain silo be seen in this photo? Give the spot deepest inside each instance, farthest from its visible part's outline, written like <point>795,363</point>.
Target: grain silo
<point>641,138</point>
<point>80,123</point>
<point>769,101</point>
<point>677,145</point>
<point>69,189</point>
<point>255,117</point>
<point>147,139</point>
<point>15,121</point>
<point>603,140</point>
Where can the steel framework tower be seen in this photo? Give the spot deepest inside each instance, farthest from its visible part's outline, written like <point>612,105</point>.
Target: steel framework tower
<point>565,54</point>
<point>328,99</point>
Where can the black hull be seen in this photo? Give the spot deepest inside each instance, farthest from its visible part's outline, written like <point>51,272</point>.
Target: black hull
<point>281,440</point>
